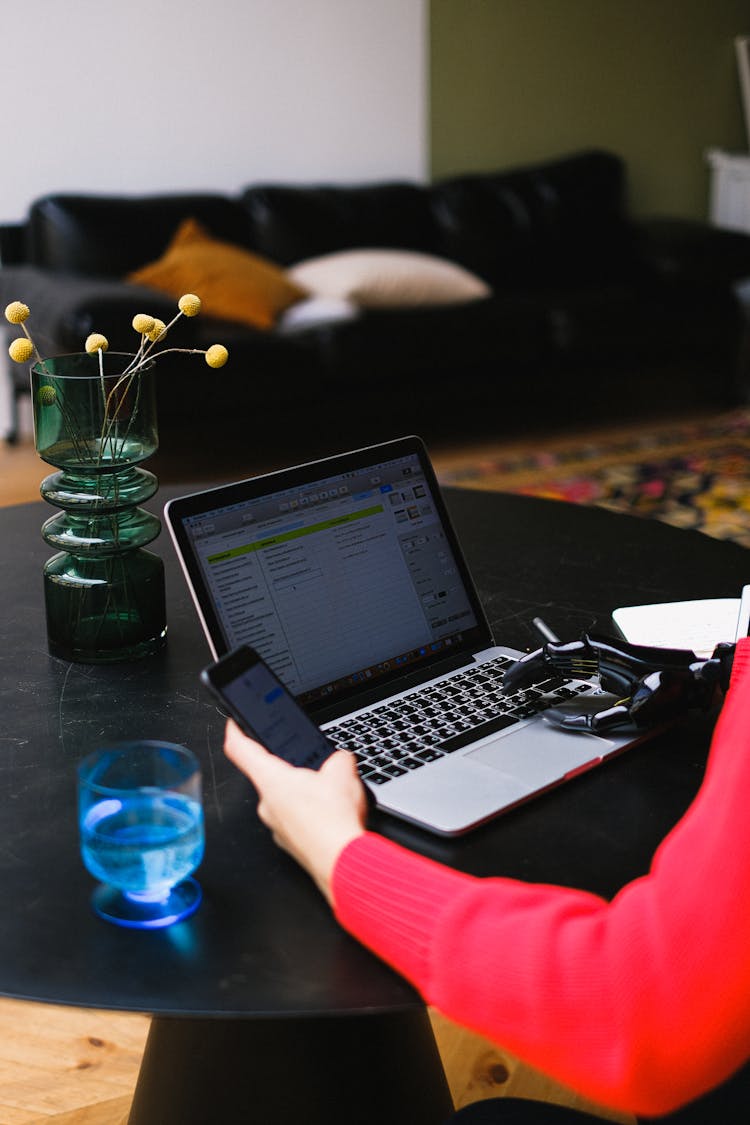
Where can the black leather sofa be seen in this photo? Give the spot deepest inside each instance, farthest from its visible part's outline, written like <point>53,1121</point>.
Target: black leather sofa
<point>582,298</point>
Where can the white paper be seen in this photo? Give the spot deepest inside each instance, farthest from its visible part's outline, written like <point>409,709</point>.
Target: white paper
<point>696,625</point>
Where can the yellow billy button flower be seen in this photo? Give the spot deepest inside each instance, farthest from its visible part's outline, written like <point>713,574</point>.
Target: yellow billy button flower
<point>157,330</point>
<point>46,395</point>
<point>21,350</point>
<point>143,323</point>
<point>189,304</point>
<point>16,312</point>
<point>96,343</point>
<point>217,355</point>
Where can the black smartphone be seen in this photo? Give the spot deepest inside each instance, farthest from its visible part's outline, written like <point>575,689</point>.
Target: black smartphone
<point>264,709</point>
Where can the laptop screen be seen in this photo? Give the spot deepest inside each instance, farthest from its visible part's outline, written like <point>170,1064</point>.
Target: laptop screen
<point>337,581</point>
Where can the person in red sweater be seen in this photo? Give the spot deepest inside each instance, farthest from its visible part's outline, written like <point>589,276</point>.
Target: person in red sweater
<point>641,1003</point>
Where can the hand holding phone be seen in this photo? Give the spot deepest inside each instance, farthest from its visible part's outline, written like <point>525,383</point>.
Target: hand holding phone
<point>265,710</point>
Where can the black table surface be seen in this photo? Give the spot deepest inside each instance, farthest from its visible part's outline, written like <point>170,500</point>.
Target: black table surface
<point>263,942</point>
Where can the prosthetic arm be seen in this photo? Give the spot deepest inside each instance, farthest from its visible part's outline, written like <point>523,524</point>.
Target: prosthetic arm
<point>649,685</point>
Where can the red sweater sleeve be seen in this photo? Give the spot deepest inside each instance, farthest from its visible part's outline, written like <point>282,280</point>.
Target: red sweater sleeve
<point>642,1003</point>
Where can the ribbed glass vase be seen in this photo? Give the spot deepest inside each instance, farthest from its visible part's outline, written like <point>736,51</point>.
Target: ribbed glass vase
<point>104,594</point>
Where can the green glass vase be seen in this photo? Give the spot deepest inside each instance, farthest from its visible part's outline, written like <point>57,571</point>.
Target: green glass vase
<point>104,594</point>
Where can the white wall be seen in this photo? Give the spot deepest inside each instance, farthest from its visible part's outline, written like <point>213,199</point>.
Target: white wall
<point>153,95</point>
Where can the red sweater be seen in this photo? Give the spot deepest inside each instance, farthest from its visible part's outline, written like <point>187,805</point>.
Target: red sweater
<point>642,1003</point>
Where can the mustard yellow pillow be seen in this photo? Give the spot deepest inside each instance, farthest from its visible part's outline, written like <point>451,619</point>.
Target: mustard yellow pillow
<point>232,283</point>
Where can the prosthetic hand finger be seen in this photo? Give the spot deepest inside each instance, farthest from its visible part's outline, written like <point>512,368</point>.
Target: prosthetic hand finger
<point>589,721</point>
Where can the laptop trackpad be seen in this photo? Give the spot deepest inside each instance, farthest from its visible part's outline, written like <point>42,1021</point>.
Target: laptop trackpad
<point>538,753</point>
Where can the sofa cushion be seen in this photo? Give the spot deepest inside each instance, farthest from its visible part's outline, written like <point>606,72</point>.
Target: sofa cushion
<point>232,283</point>
<point>388,279</point>
<point>108,236</point>
<point>407,349</point>
<point>291,223</point>
<point>559,221</point>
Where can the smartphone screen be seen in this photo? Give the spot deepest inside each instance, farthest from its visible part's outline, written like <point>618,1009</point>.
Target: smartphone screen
<point>261,705</point>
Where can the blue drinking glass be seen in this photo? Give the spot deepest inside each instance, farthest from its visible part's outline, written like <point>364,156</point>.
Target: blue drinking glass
<point>140,818</point>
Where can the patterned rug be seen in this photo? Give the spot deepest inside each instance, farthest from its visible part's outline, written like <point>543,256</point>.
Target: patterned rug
<point>693,473</point>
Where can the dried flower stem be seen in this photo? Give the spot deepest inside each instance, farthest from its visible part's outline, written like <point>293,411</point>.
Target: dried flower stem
<point>37,356</point>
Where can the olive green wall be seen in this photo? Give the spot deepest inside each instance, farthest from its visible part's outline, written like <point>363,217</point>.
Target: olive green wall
<point>516,81</point>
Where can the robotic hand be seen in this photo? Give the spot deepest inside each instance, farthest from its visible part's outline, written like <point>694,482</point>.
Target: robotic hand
<point>649,685</point>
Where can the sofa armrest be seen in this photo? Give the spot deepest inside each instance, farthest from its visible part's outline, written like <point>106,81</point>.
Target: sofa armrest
<point>691,252</point>
<point>12,243</point>
<point>66,308</point>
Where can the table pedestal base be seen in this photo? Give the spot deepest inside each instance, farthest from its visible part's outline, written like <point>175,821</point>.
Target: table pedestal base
<point>373,1069</point>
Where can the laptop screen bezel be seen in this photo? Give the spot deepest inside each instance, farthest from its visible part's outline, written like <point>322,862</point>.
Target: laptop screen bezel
<point>177,511</point>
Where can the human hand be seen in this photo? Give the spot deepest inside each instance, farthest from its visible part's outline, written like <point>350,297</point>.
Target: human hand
<point>313,814</point>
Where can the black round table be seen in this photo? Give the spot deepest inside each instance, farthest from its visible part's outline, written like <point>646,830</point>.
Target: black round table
<point>243,993</point>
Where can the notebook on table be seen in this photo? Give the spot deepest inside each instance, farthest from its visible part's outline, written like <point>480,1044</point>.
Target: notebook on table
<point>347,576</point>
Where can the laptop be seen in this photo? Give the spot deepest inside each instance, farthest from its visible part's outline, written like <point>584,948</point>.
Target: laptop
<point>347,576</point>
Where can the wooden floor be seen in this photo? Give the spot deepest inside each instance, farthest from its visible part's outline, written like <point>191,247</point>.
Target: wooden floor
<point>79,1066</point>
<point>21,473</point>
<point>71,1066</point>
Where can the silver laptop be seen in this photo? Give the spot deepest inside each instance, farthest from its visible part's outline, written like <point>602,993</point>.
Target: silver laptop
<point>346,575</point>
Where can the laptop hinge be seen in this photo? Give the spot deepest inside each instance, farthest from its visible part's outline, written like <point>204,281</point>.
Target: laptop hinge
<point>392,687</point>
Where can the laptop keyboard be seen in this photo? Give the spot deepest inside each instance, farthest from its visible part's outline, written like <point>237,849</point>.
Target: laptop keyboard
<point>430,722</point>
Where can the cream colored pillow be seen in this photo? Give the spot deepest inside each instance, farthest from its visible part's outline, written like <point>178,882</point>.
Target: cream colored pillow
<point>311,312</point>
<point>388,279</point>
